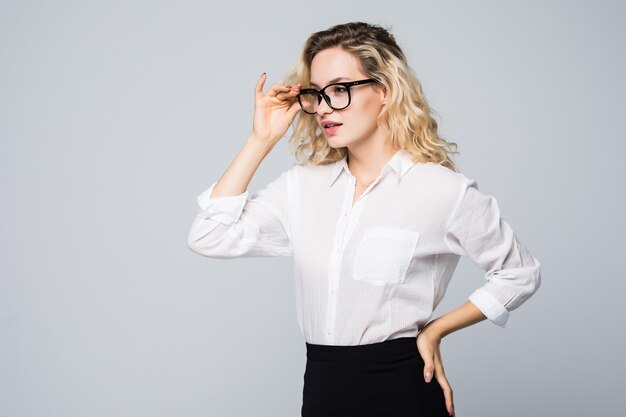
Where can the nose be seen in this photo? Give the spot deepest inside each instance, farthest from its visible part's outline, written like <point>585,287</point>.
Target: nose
<point>323,108</point>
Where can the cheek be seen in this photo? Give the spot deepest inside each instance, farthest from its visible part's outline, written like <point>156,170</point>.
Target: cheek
<point>363,116</point>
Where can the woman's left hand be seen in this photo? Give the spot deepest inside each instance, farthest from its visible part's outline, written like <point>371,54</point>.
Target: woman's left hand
<point>428,346</point>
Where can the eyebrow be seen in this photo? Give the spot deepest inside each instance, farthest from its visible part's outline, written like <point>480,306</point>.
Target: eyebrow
<point>334,80</point>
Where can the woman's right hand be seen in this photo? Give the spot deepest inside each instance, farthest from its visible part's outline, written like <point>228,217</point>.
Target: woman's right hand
<point>274,112</point>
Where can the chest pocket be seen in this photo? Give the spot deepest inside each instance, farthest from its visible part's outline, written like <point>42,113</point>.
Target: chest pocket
<point>384,254</point>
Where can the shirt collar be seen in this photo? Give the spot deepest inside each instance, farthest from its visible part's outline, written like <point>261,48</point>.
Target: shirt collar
<point>400,162</point>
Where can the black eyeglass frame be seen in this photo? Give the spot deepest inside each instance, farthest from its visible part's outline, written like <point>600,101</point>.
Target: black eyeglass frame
<point>320,93</point>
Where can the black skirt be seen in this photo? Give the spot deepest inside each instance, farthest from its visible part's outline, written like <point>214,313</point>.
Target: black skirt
<point>384,379</point>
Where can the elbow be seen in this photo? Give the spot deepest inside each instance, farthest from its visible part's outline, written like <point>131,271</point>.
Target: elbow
<point>514,286</point>
<point>197,247</point>
<point>211,247</point>
<point>203,247</point>
<point>191,245</point>
<point>200,244</point>
<point>529,285</point>
<point>194,244</point>
<point>202,240</point>
<point>536,279</point>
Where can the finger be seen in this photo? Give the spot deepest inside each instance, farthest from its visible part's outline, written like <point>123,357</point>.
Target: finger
<point>275,89</point>
<point>258,89</point>
<point>440,374</point>
<point>438,363</point>
<point>447,393</point>
<point>291,89</point>
<point>429,366</point>
<point>293,110</point>
<point>291,93</point>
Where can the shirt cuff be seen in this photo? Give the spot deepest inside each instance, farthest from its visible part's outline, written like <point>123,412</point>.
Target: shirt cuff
<point>490,306</point>
<point>226,209</point>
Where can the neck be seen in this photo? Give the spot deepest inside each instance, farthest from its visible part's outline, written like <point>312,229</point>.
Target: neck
<point>367,165</point>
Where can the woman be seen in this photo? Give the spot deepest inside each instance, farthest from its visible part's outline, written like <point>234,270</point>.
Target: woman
<point>376,217</point>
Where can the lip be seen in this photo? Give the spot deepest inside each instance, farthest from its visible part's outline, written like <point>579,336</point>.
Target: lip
<point>331,130</point>
<point>329,122</point>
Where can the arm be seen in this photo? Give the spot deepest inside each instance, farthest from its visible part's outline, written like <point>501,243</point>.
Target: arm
<point>239,173</point>
<point>233,225</point>
<point>228,224</point>
<point>477,230</point>
<point>464,315</point>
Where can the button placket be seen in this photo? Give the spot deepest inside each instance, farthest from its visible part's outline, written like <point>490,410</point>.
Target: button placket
<point>333,281</point>
<point>335,261</point>
<point>345,228</point>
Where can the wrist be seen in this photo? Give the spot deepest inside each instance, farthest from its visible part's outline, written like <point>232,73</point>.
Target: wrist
<point>262,146</point>
<point>435,329</point>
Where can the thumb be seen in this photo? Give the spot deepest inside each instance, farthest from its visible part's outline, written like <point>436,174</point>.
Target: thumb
<point>293,110</point>
<point>429,368</point>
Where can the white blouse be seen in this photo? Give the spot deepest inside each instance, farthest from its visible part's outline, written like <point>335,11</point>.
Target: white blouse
<point>376,270</point>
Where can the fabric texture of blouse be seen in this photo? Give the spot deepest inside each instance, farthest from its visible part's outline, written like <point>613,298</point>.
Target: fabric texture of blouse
<point>375,270</point>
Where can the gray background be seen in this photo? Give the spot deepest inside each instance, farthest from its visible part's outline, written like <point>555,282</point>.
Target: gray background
<point>114,115</point>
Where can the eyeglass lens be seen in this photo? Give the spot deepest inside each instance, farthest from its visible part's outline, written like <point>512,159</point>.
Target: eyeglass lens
<point>336,94</point>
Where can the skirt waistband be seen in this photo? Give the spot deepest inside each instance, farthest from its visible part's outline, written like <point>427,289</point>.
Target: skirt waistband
<point>399,348</point>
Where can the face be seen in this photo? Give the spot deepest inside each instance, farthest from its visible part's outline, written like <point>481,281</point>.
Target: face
<point>358,121</point>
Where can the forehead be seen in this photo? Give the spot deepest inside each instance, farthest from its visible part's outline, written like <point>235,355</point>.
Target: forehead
<point>333,64</point>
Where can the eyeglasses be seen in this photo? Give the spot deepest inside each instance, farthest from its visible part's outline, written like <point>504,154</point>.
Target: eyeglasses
<point>338,97</point>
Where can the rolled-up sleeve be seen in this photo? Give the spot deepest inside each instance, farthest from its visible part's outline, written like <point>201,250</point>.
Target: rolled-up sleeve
<point>242,226</point>
<point>477,230</point>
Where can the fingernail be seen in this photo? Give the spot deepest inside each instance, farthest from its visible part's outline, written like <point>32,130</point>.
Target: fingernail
<point>428,376</point>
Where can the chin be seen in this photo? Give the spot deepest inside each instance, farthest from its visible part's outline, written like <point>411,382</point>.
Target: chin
<point>335,143</point>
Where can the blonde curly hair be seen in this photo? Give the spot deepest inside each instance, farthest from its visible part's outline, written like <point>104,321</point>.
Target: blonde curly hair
<point>406,118</point>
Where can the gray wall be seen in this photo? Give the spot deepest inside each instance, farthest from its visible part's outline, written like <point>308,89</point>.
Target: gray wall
<point>114,115</point>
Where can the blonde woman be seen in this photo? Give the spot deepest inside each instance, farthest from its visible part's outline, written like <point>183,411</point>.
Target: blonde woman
<point>376,217</point>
